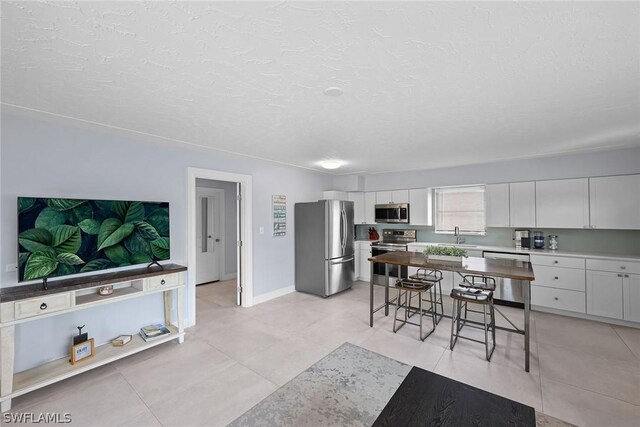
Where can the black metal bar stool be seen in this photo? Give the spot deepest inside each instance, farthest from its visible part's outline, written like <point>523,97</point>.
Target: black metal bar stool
<point>474,290</point>
<point>407,288</point>
<point>433,277</point>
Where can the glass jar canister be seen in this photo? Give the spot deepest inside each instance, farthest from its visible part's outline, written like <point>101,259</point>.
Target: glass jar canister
<point>553,242</point>
<point>538,240</point>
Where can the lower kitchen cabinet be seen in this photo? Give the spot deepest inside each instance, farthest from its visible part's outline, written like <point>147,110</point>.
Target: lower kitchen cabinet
<point>363,266</point>
<point>559,299</point>
<point>631,295</point>
<point>604,294</point>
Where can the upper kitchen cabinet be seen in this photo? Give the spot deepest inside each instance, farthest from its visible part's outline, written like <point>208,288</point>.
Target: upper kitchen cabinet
<point>370,207</point>
<point>497,205</point>
<point>357,197</point>
<point>395,196</point>
<point>562,203</point>
<point>522,204</point>
<point>420,207</point>
<point>615,202</point>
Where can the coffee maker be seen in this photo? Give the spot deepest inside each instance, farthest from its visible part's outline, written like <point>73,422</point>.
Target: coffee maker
<point>522,238</point>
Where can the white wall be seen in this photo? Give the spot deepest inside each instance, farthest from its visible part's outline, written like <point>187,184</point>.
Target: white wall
<point>42,156</point>
<point>230,222</point>
<point>614,162</point>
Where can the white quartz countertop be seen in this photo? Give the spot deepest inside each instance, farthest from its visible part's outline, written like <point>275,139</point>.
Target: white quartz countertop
<point>511,249</point>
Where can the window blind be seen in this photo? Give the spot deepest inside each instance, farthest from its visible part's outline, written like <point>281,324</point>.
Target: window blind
<point>462,207</point>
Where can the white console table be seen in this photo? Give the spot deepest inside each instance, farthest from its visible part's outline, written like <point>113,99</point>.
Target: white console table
<point>31,302</point>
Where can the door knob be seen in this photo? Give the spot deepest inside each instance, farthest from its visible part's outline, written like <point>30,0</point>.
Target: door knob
<point>217,240</point>
<point>209,236</point>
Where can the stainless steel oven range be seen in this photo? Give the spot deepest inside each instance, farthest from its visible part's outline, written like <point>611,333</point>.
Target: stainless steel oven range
<point>392,240</point>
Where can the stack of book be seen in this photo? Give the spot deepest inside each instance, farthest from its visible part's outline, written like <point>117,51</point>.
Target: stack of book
<point>153,332</point>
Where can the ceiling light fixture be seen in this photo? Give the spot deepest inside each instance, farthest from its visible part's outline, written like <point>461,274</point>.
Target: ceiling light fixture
<point>333,91</point>
<point>331,164</point>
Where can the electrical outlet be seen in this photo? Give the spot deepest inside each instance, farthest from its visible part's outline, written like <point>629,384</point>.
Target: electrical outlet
<point>261,230</point>
<point>11,268</point>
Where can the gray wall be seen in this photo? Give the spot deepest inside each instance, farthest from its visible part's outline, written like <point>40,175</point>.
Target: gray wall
<point>43,156</point>
<point>230,221</point>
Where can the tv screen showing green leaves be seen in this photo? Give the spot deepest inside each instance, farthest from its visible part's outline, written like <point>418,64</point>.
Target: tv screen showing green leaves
<point>59,237</point>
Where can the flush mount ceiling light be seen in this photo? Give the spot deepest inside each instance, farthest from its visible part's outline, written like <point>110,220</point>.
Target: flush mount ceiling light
<point>333,91</point>
<point>331,164</point>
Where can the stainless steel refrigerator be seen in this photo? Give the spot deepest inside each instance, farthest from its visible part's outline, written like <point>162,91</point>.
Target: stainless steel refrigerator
<point>324,247</point>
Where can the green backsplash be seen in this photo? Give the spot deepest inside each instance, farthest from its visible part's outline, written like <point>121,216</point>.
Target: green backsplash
<point>618,242</point>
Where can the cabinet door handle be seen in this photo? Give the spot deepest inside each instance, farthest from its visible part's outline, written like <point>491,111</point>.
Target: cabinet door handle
<point>555,298</point>
<point>555,278</point>
<point>619,275</point>
<point>43,306</point>
<point>626,275</point>
<point>162,282</point>
<point>555,262</point>
<point>622,267</point>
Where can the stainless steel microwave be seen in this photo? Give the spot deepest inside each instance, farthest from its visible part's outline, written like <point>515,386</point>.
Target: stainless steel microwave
<point>397,213</point>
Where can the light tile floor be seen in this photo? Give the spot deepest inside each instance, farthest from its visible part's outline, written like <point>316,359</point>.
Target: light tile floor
<point>583,372</point>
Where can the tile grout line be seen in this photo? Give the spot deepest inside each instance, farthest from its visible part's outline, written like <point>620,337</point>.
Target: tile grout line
<point>624,342</point>
<point>139,397</point>
<point>594,392</point>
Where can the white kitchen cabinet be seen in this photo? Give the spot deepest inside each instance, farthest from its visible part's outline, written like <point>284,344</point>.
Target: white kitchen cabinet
<point>562,203</point>
<point>335,195</point>
<point>631,296</point>
<point>357,197</point>
<point>356,261</point>
<point>615,202</point>
<point>365,265</point>
<point>395,196</point>
<point>604,294</point>
<point>370,207</point>
<point>497,205</point>
<point>420,207</point>
<point>522,204</point>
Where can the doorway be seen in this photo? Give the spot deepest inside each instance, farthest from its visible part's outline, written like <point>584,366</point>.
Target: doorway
<point>209,233</point>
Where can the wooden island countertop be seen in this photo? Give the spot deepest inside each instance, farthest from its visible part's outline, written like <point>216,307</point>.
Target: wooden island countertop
<point>505,268</point>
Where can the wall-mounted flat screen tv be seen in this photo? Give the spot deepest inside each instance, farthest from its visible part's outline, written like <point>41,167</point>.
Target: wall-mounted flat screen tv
<point>59,237</point>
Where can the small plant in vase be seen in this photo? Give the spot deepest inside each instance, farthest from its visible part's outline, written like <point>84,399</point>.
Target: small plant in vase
<point>445,253</point>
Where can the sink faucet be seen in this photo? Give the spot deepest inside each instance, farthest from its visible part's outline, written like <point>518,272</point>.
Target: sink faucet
<point>456,232</point>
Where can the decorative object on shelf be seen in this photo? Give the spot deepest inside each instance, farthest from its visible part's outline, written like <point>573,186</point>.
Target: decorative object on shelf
<point>122,340</point>
<point>538,240</point>
<point>80,337</point>
<point>279,204</point>
<point>105,290</point>
<point>373,234</point>
<point>445,253</point>
<point>153,332</point>
<point>553,242</point>
<point>84,350</point>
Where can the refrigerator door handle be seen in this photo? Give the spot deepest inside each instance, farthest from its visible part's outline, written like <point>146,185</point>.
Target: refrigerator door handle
<point>343,261</point>
<point>344,230</point>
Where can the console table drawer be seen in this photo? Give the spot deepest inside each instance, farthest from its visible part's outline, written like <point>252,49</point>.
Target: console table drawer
<point>557,261</point>
<point>44,305</point>
<point>558,277</point>
<point>560,299</point>
<point>165,281</point>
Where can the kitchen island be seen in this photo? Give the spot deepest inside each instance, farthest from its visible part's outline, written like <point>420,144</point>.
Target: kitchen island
<point>508,269</point>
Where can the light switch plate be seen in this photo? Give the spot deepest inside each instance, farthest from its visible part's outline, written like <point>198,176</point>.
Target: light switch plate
<point>261,230</point>
<point>11,268</point>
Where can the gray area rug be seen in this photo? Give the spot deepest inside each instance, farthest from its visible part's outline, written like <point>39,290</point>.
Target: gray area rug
<point>350,386</point>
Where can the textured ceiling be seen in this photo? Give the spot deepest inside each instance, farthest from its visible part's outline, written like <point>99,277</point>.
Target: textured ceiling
<point>426,84</point>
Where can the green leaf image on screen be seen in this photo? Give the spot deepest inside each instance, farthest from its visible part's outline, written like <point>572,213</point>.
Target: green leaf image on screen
<point>58,237</point>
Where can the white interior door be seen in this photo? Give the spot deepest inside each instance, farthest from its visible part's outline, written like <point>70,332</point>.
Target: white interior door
<point>208,235</point>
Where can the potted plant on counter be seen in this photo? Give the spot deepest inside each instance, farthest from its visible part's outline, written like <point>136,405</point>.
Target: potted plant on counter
<point>445,253</point>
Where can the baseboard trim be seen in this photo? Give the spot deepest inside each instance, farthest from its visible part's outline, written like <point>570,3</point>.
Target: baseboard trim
<point>230,276</point>
<point>611,321</point>
<point>259,299</point>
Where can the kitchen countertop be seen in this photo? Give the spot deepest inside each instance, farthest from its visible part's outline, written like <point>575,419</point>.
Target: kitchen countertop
<point>511,249</point>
